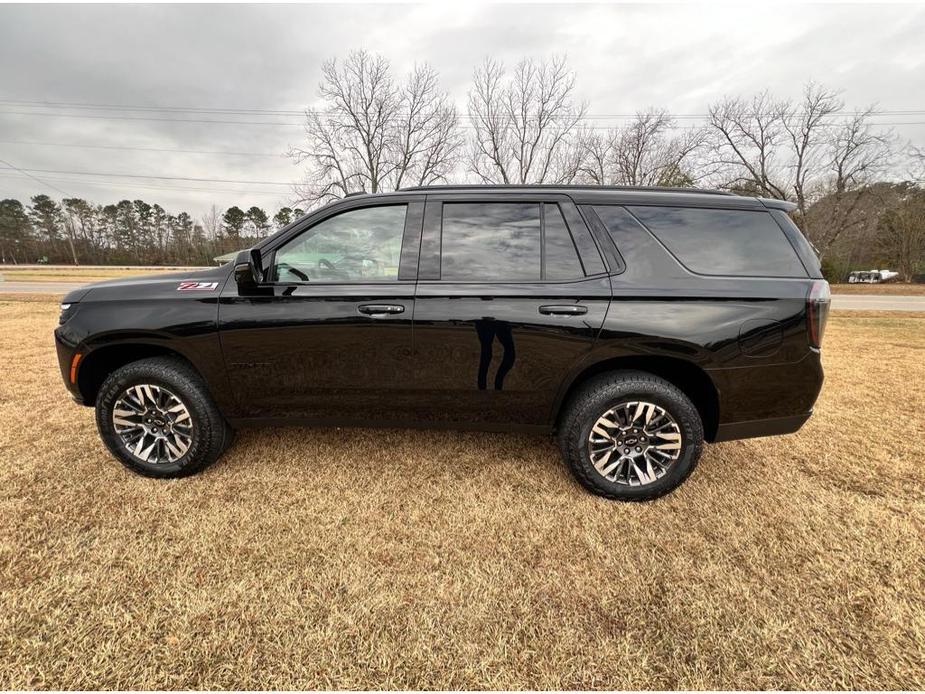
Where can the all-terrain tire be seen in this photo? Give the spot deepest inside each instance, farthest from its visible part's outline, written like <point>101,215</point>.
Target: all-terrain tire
<point>609,390</point>
<point>211,433</point>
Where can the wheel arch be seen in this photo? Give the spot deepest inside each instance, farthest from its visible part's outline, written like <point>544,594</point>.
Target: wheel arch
<point>101,361</point>
<point>690,378</point>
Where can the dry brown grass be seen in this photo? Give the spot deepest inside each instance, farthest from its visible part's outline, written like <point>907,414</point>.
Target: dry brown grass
<point>58,273</point>
<point>427,559</point>
<point>880,289</point>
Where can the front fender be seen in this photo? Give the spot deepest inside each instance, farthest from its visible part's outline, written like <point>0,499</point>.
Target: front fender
<point>110,330</point>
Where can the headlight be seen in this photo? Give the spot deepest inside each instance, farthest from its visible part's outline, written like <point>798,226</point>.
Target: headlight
<point>67,310</point>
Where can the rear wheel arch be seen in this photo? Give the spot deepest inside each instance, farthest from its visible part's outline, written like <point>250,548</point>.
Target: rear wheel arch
<point>688,377</point>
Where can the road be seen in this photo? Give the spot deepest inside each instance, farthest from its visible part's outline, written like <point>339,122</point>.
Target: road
<point>855,302</point>
<point>39,287</point>
<point>869,302</point>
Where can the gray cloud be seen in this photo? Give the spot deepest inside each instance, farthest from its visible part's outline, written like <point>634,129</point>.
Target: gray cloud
<point>268,57</point>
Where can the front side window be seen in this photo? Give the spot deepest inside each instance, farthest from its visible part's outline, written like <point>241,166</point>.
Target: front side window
<point>362,245</point>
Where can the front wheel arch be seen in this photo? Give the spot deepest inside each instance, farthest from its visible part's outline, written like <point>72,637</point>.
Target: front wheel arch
<point>207,433</point>
<point>98,363</point>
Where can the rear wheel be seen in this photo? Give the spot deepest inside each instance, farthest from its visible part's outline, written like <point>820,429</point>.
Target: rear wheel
<point>630,435</point>
<point>157,417</point>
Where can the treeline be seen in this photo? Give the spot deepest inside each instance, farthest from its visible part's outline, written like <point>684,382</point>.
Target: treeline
<point>134,232</point>
<point>885,229</point>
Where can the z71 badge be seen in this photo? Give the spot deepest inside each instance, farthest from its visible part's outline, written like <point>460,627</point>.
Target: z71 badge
<point>197,286</point>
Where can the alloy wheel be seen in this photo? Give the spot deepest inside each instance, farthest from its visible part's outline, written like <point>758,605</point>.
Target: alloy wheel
<point>154,424</point>
<point>634,443</point>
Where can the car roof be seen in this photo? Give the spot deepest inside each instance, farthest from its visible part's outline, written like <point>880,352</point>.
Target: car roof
<point>589,194</point>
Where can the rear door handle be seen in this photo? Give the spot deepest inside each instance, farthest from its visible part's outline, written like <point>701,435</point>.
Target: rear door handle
<point>380,309</point>
<point>563,310</point>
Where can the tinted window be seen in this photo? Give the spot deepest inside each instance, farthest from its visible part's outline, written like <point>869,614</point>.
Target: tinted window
<point>491,241</point>
<point>723,242</point>
<point>807,252</point>
<point>358,245</point>
<point>561,257</point>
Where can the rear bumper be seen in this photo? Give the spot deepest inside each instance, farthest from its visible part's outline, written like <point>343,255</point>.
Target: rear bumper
<point>766,400</point>
<point>760,427</point>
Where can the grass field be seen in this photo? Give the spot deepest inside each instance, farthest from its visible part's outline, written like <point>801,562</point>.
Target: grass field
<point>351,559</point>
<point>880,289</point>
<point>58,273</point>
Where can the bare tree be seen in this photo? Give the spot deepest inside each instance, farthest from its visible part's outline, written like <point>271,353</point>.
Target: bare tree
<point>747,141</point>
<point>806,126</point>
<point>526,128</point>
<point>427,139</point>
<point>371,134</point>
<point>901,237</point>
<point>916,157</point>
<point>855,156</point>
<point>212,223</point>
<point>804,152</point>
<point>643,153</point>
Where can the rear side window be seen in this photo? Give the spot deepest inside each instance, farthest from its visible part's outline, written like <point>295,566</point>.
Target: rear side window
<point>723,242</point>
<point>500,242</point>
<point>560,259</point>
<point>491,241</point>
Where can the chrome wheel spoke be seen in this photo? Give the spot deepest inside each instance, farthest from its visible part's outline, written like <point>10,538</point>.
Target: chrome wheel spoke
<point>142,450</point>
<point>634,443</point>
<point>614,468</point>
<point>601,462</point>
<point>155,426</point>
<point>641,476</point>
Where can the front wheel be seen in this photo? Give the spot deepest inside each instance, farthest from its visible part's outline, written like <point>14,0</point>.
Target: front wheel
<point>630,435</point>
<point>157,417</point>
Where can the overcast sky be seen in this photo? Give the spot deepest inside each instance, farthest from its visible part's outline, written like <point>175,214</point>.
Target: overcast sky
<point>626,57</point>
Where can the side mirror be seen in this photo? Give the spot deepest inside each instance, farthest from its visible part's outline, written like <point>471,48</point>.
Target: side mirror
<point>248,270</point>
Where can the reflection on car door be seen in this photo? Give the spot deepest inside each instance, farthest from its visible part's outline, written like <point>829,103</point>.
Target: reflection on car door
<point>504,306</point>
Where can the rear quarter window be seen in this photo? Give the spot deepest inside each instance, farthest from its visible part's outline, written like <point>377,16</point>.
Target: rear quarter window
<point>805,249</point>
<point>743,243</point>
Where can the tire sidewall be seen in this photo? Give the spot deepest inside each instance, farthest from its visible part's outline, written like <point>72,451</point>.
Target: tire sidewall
<point>137,374</point>
<point>659,393</point>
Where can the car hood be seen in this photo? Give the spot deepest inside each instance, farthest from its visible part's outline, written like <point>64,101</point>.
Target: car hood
<point>195,283</point>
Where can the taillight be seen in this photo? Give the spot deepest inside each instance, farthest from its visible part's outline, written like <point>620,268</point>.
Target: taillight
<point>817,311</point>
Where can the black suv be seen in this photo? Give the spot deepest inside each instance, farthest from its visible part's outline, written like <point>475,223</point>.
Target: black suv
<point>632,323</point>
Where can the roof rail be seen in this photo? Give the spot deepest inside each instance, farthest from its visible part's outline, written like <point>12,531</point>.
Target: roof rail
<point>355,193</point>
<point>775,204</point>
<point>654,189</point>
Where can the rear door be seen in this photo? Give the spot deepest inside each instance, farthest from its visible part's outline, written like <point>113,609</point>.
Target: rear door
<point>512,292</point>
<point>330,339</point>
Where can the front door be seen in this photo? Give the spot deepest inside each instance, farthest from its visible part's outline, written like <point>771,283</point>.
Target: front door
<point>331,337</point>
<point>505,306</point>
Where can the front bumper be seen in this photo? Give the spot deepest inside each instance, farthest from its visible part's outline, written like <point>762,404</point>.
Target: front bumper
<point>66,350</point>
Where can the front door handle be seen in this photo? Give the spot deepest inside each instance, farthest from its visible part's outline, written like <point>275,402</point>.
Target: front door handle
<point>380,309</point>
<point>563,310</point>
